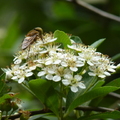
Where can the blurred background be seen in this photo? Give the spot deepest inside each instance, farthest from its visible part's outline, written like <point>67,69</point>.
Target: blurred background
<point>17,17</point>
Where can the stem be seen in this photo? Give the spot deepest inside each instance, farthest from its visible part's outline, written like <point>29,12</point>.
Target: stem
<point>61,100</point>
<point>77,112</point>
<point>0,115</point>
<point>28,89</point>
<point>98,11</point>
<point>6,116</point>
<point>93,81</point>
<point>85,67</point>
<point>11,113</point>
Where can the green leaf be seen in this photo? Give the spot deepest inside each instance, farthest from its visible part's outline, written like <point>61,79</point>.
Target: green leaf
<point>99,83</point>
<point>4,97</point>
<point>3,86</point>
<point>100,100</point>
<point>95,101</point>
<point>111,115</point>
<point>98,42</point>
<point>47,116</point>
<point>89,83</point>
<point>115,82</point>
<point>116,57</point>
<point>2,76</point>
<point>62,38</point>
<point>45,93</point>
<point>39,87</point>
<point>90,95</point>
<point>76,39</point>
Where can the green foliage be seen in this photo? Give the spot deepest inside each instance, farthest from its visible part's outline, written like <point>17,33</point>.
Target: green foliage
<point>76,39</point>
<point>97,43</point>
<point>111,115</point>
<point>115,82</point>
<point>4,97</point>
<point>45,93</point>
<point>90,95</point>
<point>3,86</point>
<point>62,38</point>
<point>116,57</point>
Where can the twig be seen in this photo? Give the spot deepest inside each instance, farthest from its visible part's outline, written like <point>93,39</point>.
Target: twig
<point>84,108</point>
<point>98,11</point>
<point>115,95</point>
<point>98,109</point>
<point>31,114</point>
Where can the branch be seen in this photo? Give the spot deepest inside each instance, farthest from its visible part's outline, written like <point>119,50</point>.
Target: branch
<point>84,108</point>
<point>115,95</point>
<point>98,109</point>
<point>98,11</point>
<point>12,117</point>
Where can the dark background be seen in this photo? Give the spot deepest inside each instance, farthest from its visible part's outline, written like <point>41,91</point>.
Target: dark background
<point>17,17</point>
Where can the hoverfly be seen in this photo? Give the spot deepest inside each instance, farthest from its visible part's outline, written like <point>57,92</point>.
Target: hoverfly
<point>31,37</point>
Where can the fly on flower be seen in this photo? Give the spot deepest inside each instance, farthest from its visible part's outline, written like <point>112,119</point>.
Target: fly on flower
<point>31,36</point>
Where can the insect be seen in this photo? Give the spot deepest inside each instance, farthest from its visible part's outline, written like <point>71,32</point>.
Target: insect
<point>31,37</point>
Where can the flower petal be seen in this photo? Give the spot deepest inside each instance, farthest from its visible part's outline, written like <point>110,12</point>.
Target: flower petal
<point>65,82</point>
<point>21,80</point>
<point>56,78</point>
<point>78,77</point>
<point>74,88</point>
<point>41,73</point>
<point>81,85</point>
<point>74,69</point>
<point>49,76</point>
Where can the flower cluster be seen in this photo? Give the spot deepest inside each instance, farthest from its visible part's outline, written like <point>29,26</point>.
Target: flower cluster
<point>47,59</point>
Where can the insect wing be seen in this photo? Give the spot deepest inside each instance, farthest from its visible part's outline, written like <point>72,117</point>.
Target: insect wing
<point>27,41</point>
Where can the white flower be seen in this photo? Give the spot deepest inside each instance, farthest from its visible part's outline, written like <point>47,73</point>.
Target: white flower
<point>59,72</point>
<point>118,65</point>
<point>102,69</point>
<point>32,65</point>
<point>71,61</point>
<point>41,73</point>
<point>20,74</point>
<point>74,82</point>
<point>54,72</point>
<point>34,49</point>
<point>47,72</point>
<point>49,40</point>
<point>15,69</point>
<point>20,56</point>
<point>8,72</point>
<point>54,59</point>
<point>28,74</point>
<point>87,56</point>
<point>111,68</point>
<point>50,61</point>
<point>49,76</point>
<point>21,80</point>
<point>52,49</point>
<point>18,61</point>
<point>81,47</point>
<point>77,47</point>
<point>56,78</point>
